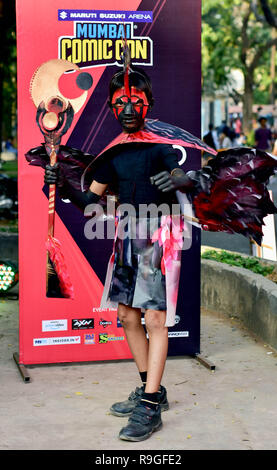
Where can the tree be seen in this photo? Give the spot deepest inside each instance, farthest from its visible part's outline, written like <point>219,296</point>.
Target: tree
<point>8,87</point>
<point>235,38</point>
<point>269,17</point>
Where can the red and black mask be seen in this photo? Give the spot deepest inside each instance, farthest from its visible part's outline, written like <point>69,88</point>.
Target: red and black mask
<point>130,108</point>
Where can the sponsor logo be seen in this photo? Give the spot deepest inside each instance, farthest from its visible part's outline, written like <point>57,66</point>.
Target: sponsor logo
<point>54,325</point>
<point>89,338</point>
<point>63,15</point>
<point>118,323</point>
<point>178,334</point>
<point>105,323</point>
<point>105,338</point>
<point>83,324</point>
<point>56,341</point>
<point>99,309</point>
<point>105,15</point>
<point>115,338</point>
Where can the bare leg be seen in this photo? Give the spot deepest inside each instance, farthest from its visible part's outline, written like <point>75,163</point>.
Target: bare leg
<point>135,334</point>
<point>158,347</point>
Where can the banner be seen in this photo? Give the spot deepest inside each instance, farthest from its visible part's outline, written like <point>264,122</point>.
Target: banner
<point>164,38</point>
<point>267,250</point>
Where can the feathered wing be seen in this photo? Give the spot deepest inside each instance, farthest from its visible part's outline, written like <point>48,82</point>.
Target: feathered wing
<point>72,163</point>
<point>167,133</point>
<point>231,192</point>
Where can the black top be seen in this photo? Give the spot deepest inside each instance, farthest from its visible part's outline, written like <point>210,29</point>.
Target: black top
<point>127,169</point>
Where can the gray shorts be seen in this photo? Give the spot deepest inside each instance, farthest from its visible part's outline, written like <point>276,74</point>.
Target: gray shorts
<point>137,279</point>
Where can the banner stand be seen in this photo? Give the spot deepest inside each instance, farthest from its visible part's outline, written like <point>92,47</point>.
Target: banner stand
<point>27,378</point>
<point>53,329</point>
<point>205,362</point>
<point>23,371</point>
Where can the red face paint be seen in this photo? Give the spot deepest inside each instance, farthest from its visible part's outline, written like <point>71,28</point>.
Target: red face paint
<point>130,110</point>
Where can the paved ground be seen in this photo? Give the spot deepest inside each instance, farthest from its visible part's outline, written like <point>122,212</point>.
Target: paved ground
<point>66,406</point>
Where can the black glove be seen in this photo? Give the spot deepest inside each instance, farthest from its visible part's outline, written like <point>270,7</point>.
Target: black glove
<point>51,175</point>
<point>176,180</point>
<point>79,198</point>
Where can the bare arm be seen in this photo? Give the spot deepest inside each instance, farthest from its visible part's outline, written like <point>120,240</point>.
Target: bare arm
<point>98,188</point>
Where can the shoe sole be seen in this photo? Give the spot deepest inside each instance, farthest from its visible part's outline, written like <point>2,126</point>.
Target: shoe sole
<point>141,438</point>
<point>164,407</point>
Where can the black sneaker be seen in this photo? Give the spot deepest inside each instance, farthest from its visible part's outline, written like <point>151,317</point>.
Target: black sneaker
<point>125,408</point>
<point>142,423</point>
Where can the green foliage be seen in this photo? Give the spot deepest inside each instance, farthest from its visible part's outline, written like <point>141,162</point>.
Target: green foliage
<point>236,260</point>
<point>9,168</point>
<point>9,226</point>
<point>223,48</point>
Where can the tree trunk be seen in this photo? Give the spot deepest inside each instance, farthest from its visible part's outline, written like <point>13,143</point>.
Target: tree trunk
<point>1,72</point>
<point>248,103</point>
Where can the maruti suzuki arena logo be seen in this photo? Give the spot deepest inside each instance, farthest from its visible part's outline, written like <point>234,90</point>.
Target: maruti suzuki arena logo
<point>63,15</point>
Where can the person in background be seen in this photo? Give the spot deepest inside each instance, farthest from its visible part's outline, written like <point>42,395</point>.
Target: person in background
<point>263,136</point>
<point>274,152</point>
<point>238,127</point>
<point>210,138</point>
<point>241,140</point>
<point>225,140</point>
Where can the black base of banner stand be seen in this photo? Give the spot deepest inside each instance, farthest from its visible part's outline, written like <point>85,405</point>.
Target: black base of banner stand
<point>204,361</point>
<point>23,371</point>
<point>26,377</point>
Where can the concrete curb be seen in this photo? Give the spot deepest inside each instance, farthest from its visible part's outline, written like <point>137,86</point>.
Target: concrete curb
<point>238,292</point>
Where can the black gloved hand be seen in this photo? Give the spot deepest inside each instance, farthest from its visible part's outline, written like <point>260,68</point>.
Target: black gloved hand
<point>51,175</point>
<point>79,198</point>
<point>176,180</point>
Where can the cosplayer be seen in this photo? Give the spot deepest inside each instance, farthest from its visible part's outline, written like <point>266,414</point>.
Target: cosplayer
<point>229,194</point>
<point>137,280</point>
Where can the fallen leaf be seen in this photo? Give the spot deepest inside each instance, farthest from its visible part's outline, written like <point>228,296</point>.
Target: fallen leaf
<point>238,390</point>
<point>95,383</point>
<point>78,393</point>
<point>188,436</point>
